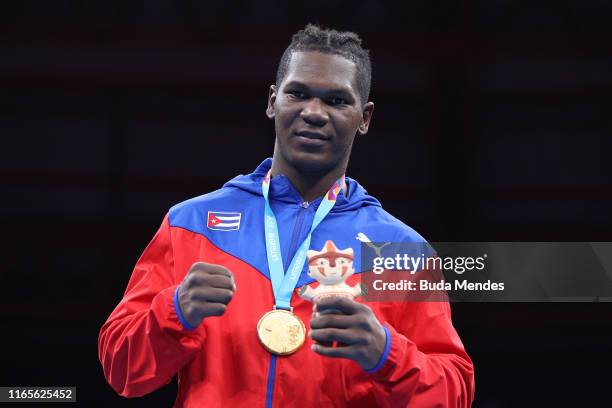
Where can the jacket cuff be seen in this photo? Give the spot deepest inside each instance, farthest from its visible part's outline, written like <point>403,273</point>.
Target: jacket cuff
<point>396,354</point>
<point>385,354</point>
<point>168,316</point>
<point>179,313</point>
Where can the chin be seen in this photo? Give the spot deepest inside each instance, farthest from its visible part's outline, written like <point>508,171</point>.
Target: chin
<point>307,162</point>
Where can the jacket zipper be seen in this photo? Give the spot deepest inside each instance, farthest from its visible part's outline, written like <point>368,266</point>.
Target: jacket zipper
<point>270,386</point>
<point>297,229</point>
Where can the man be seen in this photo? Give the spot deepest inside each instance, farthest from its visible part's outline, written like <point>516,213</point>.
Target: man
<point>224,270</point>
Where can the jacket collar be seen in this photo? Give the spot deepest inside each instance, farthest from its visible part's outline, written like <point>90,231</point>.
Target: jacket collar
<point>282,190</point>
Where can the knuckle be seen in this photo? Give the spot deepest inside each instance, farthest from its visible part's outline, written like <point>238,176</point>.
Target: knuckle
<point>195,277</point>
<point>188,310</point>
<point>204,279</point>
<point>320,335</point>
<point>365,308</point>
<point>189,298</point>
<point>225,296</point>
<point>186,293</point>
<point>328,351</point>
<point>198,266</point>
<point>187,281</point>
<point>339,335</point>
<point>206,295</point>
<point>219,310</point>
<point>322,320</point>
<point>362,321</point>
<point>221,268</point>
<point>327,334</point>
<point>193,313</point>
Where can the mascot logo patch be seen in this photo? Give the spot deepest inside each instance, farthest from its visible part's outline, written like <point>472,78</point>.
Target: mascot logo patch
<point>330,266</point>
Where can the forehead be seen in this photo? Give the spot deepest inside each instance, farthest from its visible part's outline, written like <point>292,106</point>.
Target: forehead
<point>321,70</point>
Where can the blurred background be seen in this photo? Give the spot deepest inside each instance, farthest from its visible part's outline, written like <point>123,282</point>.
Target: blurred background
<point>492,123</point>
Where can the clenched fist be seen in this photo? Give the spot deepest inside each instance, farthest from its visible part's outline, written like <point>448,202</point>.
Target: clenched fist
<point>353,326</point>
<point>205,291</point>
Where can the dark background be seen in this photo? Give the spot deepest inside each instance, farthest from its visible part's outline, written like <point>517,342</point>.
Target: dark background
<point>491,124</point>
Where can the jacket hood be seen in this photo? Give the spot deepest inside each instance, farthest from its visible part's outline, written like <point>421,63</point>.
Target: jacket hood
<point>281,189</point>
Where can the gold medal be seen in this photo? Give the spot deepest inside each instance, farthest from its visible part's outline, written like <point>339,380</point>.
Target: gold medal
<point>281,332</point>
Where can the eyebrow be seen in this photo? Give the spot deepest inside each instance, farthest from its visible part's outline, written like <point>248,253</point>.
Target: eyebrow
<point>338,91</point>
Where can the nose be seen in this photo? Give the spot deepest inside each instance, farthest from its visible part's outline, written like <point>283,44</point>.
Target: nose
<point>314,113</point>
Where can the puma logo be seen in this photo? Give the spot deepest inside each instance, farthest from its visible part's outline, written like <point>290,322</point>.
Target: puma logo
<point>377,249</point>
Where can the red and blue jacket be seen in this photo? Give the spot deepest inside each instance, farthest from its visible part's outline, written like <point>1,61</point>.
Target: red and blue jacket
<point>145,342</point>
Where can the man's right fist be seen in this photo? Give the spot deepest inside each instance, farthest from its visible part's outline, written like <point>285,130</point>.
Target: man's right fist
<point>205,291</point>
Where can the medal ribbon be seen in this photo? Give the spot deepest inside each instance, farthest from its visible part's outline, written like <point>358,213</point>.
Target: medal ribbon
<point>283,283</point>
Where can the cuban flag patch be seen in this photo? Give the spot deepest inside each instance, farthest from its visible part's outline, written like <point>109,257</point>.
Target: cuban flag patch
<point>223,221</point>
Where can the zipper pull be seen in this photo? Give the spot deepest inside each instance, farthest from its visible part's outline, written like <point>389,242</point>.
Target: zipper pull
<point>305,204</point>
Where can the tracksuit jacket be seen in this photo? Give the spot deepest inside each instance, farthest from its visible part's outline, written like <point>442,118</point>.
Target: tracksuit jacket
<point>220,363</point>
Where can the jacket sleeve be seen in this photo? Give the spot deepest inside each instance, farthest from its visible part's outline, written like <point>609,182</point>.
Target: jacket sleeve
<point>425,363</point>
<point>143,344</point>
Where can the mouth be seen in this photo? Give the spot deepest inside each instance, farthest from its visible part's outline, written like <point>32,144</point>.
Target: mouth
<point>312,135</point>
<point>311,138</point>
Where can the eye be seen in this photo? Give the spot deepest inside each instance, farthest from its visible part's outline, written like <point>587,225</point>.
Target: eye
<point>295,94</point>
<point>336,100</point>
<point>321,262</point>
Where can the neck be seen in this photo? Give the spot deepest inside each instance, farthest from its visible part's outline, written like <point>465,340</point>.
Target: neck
<point>310,185</point>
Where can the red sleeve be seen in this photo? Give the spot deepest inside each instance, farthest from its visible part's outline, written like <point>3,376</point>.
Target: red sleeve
<point>426,365</point>
<point>143,345</point>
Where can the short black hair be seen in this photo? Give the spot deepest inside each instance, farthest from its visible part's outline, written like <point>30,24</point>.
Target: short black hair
<point>347,44</point>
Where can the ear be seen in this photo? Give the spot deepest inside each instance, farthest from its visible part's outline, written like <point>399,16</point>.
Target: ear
<point>366,117</point>
<point>270,111</point>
